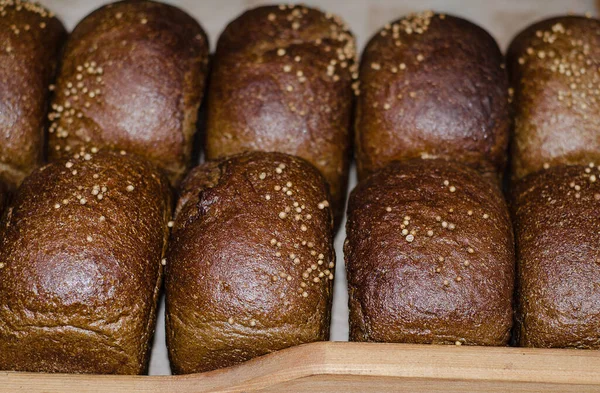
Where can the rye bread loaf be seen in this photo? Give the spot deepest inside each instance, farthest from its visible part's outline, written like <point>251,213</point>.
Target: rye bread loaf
<point>282,81</point>
<point>80,266</point>
<point>554,68</point>
<point>557,233</point>
<point>132,78</point>
<point>429,255</point>
<point>251,260</point>
<point>30,41</point>
<point>432,86</point>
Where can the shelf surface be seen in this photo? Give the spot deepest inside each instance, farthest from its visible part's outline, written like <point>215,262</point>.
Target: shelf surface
<point>355,367</point>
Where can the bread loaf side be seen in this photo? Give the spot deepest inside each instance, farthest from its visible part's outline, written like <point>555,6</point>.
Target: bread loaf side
<point>558,257</point>
<point>429,255</point>
<point>132,78</point>
<point>554,72</point>
<point>80,266</point>
<point>250,263</point>
<point>31,39</point>
<point>432,86</point>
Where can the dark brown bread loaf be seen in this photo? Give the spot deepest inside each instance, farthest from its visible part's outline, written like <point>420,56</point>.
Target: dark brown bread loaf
<point>557,230</point>
<point>132,78</point>
<point>429,256</point>
<point>554,68</point>
<point>251,261</point>
<point>80,266</point>
<point>282,81</point>
<point>432,86</point>
<point>31,38</point>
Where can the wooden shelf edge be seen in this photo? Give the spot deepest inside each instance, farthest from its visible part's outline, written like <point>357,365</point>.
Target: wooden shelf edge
<point>338,360</point>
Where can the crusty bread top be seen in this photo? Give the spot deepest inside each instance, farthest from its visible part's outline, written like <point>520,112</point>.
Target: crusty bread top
<point>557,228</point>
<point>282,81</point>
<point>432,86</point>
<point>554,67</point>
<point>132,78</point>
<point>284,198</point>
<point>30,39</point>
<point>270,32</point>
<point>80,253</point>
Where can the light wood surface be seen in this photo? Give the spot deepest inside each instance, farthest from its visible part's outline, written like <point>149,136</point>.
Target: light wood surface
<point>355,367</point>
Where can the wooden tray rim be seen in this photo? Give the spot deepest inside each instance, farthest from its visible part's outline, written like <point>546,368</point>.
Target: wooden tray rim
<point>401,361</point>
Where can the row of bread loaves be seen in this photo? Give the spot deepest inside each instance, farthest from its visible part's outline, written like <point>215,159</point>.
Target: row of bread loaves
<point>250,263</point>
<point>84,242</point>
<point>429,249</point>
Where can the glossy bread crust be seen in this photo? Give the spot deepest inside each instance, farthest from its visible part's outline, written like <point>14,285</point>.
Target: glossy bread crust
<point>554,67</point>
<point>31,40</point>
<point>432,86</point>
<point>429,256</point>
<point>250,263</point>
<point>132,78</point>
<point>282,81</point>
<point>558,257</point>
<point>80,266</point>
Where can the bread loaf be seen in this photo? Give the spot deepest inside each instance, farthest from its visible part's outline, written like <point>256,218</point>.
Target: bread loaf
<point>429,255</point>
<point>558,258</point>
<point>432,86</point>
<point>132,78</point>
<point>282,81</point>
<point>554,73</point>
<point>250,263</point>
<point>30,38</point>
<point>80,266</point>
